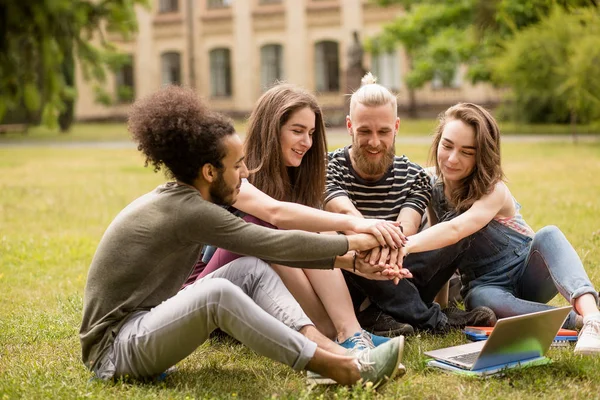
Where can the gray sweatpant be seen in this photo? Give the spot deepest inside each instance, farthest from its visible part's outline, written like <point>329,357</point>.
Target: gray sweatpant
<point>245,298</point>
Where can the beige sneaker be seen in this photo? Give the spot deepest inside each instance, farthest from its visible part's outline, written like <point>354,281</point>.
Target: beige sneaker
<point>381,364</point>
<point>589,338</point>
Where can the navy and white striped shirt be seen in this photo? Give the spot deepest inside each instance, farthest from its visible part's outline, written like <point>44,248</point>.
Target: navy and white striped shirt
<point>406,184</point>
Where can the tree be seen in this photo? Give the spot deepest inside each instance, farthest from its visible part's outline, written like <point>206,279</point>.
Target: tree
<point>39,43</point>
<point>439,36</point>
<point>555,65</point>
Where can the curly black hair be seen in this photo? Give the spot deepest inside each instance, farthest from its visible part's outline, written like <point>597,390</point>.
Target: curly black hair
<point>177,132</point>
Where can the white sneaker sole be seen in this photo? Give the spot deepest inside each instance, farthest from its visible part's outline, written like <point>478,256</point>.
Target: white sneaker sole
<point>321,380</point>
<point>587,351</point>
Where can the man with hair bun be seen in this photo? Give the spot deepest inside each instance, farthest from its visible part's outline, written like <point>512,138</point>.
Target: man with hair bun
<point>136,321</point>
<point>367,179</point>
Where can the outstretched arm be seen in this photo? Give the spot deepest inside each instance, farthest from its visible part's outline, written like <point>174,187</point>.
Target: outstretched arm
<point>449,232</point>
<point>287,215</point>
<point>342,205</point>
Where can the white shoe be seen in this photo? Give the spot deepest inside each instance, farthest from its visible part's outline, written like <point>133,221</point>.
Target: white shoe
<point>589,338</point>
<point>312,378</point>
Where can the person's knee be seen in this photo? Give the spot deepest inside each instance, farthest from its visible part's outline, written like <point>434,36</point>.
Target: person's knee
<point>482,296</point>
<point>253,266</point>
<point>549,232</point>
<point>256,273</point>
<point>220,290</point>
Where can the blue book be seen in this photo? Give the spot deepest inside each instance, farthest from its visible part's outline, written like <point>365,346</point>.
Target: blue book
<point>489,371</point>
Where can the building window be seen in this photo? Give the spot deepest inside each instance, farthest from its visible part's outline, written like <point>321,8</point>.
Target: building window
<point>386,68</point>
<point>220,73</point>
<point>455,82</point>
<point>168,6</point>
<point>171,68</point>
<point>327,67</point>
<point>219,3</point>
<point>125,85</point>
<point>271,65</point>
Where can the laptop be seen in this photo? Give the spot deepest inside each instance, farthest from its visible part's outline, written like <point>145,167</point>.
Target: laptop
<point>515,341</point>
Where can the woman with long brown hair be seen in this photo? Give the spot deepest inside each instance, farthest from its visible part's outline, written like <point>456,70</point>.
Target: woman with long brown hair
<point>286,147</point>
<point>507,267</point>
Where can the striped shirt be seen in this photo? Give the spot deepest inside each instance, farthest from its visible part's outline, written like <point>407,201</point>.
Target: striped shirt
<point>406,184</point>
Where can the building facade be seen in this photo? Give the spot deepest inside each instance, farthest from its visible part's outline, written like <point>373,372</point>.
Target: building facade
<point>231,50</point>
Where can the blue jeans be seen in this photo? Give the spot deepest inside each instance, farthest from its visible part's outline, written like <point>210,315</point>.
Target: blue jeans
<point>513,275</point>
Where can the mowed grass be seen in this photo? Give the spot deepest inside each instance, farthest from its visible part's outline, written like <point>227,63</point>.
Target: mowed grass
<point>55,203</point>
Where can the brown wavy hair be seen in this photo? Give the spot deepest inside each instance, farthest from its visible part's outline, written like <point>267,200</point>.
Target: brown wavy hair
<point>177,132</point>
<point>488,170</point>
<point>304,184</point>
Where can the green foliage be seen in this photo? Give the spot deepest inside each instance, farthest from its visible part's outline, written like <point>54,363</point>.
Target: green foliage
<point>554,68</point>
<point>37,39</point>
<point>439,36</point>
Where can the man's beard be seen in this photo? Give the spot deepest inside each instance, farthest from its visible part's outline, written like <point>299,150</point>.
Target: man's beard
<point>220,192</point>
<point>368,167</point>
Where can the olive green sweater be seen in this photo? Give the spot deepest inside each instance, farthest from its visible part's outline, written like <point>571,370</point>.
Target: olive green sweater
<point>151,247</point>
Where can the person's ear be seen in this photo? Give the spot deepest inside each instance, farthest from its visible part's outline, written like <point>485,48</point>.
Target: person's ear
<point>208,172</point>
<point>397,125</point>
<point>349,124</point>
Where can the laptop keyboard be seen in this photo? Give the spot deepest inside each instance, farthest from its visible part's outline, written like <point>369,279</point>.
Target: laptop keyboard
<point>468,358</point>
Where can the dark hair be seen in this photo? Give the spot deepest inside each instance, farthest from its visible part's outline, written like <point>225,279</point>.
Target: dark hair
<point>176,131</point>
<point>304,184</point>
<point>488,170</point>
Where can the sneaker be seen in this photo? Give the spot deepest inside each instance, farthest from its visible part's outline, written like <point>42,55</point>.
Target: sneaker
<point>378,323</point>
<point>588,342</point>
<point>377,340</point>
<point>381,364</point>
<point>479,316</point>
<point>359,341</point>
<point>312,378</point>
<point>170,371</point>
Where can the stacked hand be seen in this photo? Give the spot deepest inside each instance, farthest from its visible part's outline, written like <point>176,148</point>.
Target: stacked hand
<point>383,242</point>
<point>379,271</point>
<point>388,233</point>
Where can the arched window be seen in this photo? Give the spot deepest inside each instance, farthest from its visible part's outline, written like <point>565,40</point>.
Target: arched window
<point>171,68</point>
<point>327,66</point>
<point>220,72</point>
<point>271,65</point>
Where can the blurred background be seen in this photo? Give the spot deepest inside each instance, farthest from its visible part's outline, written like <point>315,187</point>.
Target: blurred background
<point>533,61</point>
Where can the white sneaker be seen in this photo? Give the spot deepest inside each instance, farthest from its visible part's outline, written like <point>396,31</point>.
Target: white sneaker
<point>589,338</point>
<point>312,378</point>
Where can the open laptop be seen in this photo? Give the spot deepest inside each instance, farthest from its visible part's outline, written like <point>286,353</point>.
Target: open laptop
<point>513,342</point>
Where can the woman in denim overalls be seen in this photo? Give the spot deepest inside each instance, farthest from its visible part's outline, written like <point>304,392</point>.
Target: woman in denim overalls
<point>507,267</point>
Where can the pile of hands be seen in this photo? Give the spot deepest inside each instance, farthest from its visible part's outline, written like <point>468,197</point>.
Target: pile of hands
<point>383,262</point>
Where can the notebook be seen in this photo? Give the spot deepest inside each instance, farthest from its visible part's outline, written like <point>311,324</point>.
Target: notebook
<point>514,342</point>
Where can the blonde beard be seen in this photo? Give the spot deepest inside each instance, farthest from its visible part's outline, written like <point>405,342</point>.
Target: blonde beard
<point>363,165</point>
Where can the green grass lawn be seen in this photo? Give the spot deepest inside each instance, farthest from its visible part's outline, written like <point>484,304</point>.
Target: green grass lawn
<point>55,203</point>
